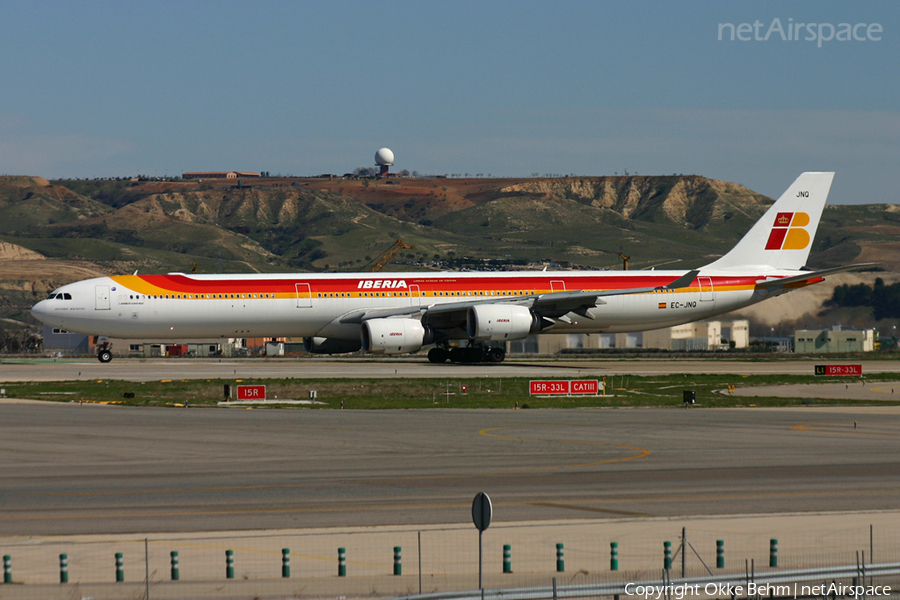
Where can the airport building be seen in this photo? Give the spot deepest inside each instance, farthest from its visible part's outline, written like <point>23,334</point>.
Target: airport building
<point>690,337</point>
<point>66,343</point>
<point>808,341</point>
<point>218,175</point>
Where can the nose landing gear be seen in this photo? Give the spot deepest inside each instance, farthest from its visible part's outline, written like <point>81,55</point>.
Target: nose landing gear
<point>104,348</point>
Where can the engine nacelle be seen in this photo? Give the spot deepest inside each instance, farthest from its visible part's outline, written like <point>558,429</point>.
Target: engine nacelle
<point>501,322</point>
<point>395,336</point>
<point>320,345</point>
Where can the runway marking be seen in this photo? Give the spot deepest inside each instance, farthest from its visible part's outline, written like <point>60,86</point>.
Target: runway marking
<point>233,488</point>
<point>626,513</point>
<point>192,513</point>
<point>810,428</point>
<point>641,452</point>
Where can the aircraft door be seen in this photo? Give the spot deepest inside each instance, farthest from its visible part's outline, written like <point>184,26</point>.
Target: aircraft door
<point>415,296</point>
<point>101,294</point>
<point>706,289</point>
<point>304,295</point>
<point>557,286</point>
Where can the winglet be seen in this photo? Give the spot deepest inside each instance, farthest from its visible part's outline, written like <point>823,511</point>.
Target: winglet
<point>682,282</point>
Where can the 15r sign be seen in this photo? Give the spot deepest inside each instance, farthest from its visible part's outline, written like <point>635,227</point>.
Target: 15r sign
<point>251,392</point>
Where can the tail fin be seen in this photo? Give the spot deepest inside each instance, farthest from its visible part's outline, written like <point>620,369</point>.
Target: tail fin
<point>782,238</point>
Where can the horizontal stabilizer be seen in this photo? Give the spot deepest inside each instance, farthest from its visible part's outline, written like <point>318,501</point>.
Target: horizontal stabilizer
<point>770,284</point>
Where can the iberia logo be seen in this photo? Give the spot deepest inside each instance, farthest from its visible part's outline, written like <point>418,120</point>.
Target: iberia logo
<point>788,232</point>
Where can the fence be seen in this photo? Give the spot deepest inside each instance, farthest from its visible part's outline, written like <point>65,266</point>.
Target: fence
<point>395,561</point>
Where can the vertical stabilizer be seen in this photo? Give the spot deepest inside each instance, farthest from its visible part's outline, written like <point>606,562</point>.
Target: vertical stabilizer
<point>782,238</point>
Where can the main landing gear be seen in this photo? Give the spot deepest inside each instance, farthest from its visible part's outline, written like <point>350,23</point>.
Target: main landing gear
<point>475,352</point>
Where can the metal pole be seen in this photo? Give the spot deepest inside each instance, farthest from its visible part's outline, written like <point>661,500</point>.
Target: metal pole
<point>555,594</point>
<point>147,567</point>
<point>420,561</point>
<point>683,549</point>
<point>865,596</point>
<point>480,563</point>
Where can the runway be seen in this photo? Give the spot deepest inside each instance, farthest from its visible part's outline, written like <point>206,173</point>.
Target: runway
<point>70,469</point>
<point>13,370</point>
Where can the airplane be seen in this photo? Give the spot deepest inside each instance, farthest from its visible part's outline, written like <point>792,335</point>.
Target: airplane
<point>400,313</point>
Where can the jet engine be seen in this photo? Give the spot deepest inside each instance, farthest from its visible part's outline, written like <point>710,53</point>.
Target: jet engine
<point>395,336</point>
<point>500,322</point>
<point>320,345</point>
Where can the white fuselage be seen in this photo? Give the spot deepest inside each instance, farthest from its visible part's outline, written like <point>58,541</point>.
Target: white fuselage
<point>186,307</point>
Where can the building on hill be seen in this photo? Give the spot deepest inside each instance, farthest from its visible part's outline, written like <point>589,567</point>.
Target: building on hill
<point>808,341</point>
<point>218,174</point>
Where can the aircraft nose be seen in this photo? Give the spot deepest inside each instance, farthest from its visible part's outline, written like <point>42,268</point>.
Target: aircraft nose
<point>39,311</point>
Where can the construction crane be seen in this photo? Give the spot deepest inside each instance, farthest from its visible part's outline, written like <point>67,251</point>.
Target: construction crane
<point>391,253</point>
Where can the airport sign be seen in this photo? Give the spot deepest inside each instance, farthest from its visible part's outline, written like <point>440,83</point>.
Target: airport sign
<point>578,387</point>
<point>838,369</point>
<point>251,392</point>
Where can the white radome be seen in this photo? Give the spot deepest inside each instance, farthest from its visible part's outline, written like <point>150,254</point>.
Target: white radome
<point>384,157</point>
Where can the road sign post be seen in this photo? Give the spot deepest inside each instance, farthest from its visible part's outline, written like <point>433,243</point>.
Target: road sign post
<point>481,516</point>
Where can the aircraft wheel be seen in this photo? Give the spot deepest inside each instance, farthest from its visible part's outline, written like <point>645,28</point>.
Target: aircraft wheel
<point>438,355</point>
<point>104,356</point>
<point>496,355</point>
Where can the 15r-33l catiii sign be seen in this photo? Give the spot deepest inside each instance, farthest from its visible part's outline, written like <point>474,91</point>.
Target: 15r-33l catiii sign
<point>575,387</point>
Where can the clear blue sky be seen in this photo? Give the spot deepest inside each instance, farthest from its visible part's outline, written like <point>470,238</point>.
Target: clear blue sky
<point>507,88</point>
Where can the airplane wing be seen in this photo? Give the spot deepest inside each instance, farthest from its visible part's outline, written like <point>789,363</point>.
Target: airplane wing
<point>559,303</point>
<point>787,283</point>
<point>553,304</point>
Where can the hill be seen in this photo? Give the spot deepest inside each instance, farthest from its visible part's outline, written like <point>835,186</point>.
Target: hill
<point>278,224</point>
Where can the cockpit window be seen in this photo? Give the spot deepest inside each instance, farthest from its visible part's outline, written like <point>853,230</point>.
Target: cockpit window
<point>67,296</point>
